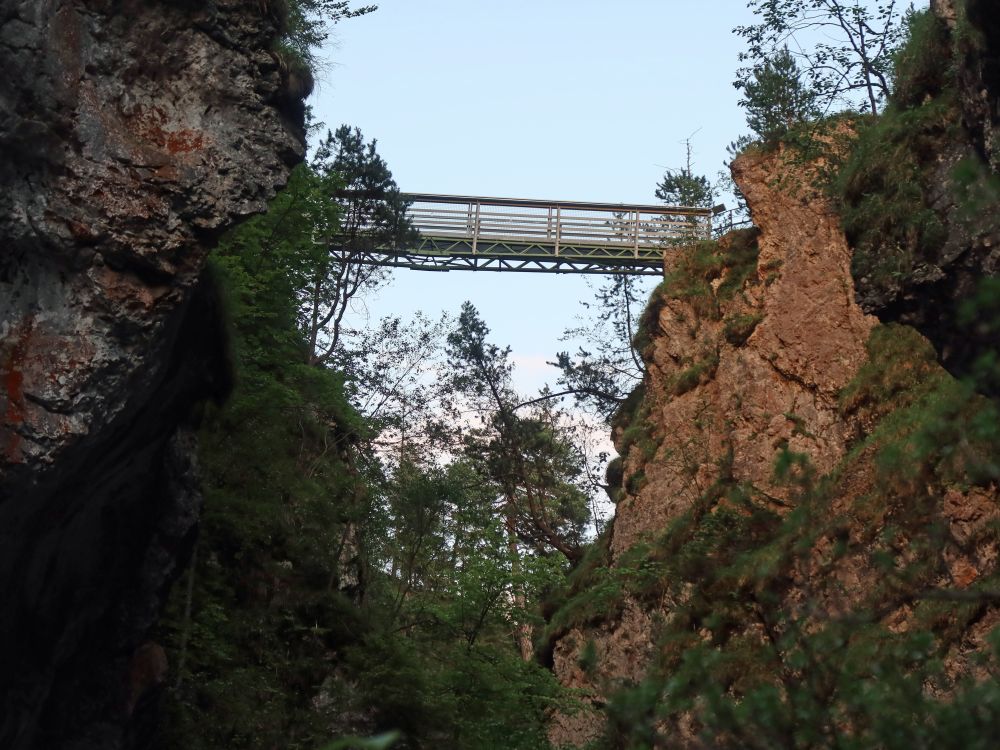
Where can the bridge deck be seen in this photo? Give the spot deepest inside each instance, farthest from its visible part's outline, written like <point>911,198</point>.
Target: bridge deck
<point>512,234</point>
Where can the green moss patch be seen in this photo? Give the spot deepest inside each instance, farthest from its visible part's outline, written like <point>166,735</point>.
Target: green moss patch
<point>738,327</point>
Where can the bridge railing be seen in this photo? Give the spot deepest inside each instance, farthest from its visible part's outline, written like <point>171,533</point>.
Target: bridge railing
<point>555,224</point>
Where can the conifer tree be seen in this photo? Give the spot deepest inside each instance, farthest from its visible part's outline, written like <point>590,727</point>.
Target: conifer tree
<point>777,97</point>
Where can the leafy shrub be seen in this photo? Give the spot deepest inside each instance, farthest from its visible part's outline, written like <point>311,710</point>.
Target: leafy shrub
<point>921,69</point>
<point>693,376</point>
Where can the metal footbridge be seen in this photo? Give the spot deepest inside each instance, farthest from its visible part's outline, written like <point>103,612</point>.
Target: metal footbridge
<point>460,232</point>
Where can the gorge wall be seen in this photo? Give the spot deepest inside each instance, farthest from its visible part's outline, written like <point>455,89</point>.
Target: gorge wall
<point>803,477</point>
<point>132,135</point>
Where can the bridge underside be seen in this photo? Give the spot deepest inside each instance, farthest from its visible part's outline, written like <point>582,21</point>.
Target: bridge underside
<point>451,254</point>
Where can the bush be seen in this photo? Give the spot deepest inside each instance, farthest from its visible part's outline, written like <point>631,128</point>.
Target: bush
<point>881,189</point>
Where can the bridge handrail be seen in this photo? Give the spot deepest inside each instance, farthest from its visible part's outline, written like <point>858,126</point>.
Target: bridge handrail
<point>572,205</point>
<point>555,223</point>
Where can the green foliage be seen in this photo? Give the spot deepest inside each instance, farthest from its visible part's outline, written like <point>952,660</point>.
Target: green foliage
<point>750,655</point>
<point>530,459</point>
<point>920,69</point>
<point>589,592</point>
<point>842,688</point>
<point>626,413</point>
<point>883,192</point>
<point>697,266</point>
<point>306,25</point>
<point>370,213</point>
<point>843,47</point>
<point>692,270</point>
<point>738,327</point>
<point>891,185</point>
<point>604,370</point>
<point>281,495</point>
<point>763,646</point>
<point>691,275</point>
<point>680,187</point>
<point>649,324</point>
<point>693,376</point>
<point>739,252</point>
<point>901,368</point>
<point>979,317</point>
<point>776,98</point>
<point>331,595</point>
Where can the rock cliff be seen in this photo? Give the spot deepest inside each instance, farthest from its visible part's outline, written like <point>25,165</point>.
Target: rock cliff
<point>771,468</point>
<point>132,135</point>
<point>805,491</point>
<point>750,344</point>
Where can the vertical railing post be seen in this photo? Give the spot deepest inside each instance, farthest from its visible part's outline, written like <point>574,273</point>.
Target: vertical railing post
<point>548,226</point>
<point>558,227</point>
<point>635,232</point>
<point>475,230</point>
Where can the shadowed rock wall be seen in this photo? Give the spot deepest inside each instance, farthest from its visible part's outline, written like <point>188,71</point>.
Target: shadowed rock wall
<point>131,135</point>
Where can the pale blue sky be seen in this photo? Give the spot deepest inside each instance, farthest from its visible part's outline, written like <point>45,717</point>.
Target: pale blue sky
<point>580,100</point>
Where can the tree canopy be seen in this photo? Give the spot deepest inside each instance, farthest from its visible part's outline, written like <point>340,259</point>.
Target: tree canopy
<point>844,48</point>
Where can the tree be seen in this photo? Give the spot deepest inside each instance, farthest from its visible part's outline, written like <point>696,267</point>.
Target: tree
<point>395,379</point>
<point>307,24</point>
<point>340,593</point>
<point>844,47</point>
<point>527,457</point>
<point>606,368</point>
<point>371,214</point>
<point>776,98</point>
<point>682,187</point>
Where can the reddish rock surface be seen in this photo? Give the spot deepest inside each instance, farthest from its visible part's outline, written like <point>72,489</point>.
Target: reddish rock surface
<point>777,389</point>
<point>780,387</point>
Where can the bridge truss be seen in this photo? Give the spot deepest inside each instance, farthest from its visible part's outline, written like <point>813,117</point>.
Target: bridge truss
<point>474,233</point>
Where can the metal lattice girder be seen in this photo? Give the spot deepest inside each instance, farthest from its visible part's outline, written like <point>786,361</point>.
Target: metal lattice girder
<point>483,263</point>
<point>514,234</point>
<point>504,249</point>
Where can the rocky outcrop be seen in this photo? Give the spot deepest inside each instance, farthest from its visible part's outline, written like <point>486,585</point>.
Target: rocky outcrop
<point>805,489</point>
<point>979,73</point>
<point>132,134</point>
<point>771,386</point>
<point>779,387</point>
<point>764,396</point>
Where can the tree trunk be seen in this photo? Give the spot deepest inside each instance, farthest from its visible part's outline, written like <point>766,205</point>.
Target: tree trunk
<point>523,629</point>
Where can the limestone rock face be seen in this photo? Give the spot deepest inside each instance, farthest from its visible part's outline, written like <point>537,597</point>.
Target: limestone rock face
<point>980,74</point>
<point>132,134</point>
<point>778,388</point>
<point>748,364</point>
<point>949,272</point>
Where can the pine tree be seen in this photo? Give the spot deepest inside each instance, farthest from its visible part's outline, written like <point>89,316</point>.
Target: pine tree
<point>777,97</point>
